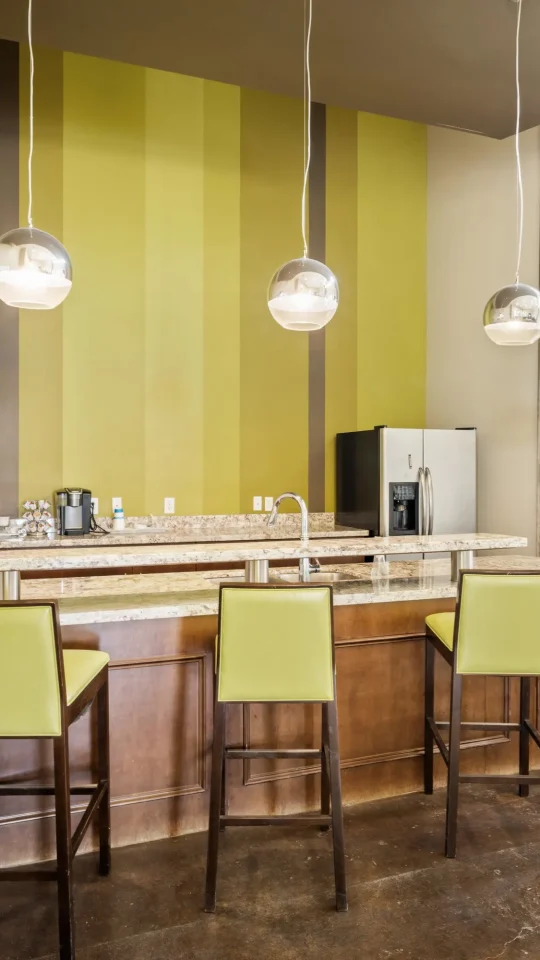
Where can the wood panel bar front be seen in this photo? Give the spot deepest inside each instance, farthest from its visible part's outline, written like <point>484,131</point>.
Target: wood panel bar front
<point>161,690</point>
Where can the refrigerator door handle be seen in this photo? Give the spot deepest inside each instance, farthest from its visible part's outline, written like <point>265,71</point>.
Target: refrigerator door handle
<point>424,502</point>
<point>431,503</point>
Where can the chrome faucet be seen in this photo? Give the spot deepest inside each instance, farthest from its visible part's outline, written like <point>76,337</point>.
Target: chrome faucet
<point>305,564</point>
<point>303,510</point>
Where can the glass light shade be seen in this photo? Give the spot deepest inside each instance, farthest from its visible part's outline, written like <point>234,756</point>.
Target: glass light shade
<point>512,316</point>
<point>35,269</point>
<point>303,295</point>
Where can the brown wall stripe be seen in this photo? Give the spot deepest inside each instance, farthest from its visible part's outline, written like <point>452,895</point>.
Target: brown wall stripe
<point>317,344</point>
<point>9,318</point>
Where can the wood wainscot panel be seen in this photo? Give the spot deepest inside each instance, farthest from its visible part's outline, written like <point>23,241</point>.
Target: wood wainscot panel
<point>380,670</point>
<point>161,689</point>
<point>161,727</point>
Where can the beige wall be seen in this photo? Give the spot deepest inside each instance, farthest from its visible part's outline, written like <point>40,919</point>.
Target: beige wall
<point>471,252</point>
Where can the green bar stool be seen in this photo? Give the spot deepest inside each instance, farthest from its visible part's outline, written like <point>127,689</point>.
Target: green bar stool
<point>494,632</point>
<point>275,645</point>
<point>42,691</point>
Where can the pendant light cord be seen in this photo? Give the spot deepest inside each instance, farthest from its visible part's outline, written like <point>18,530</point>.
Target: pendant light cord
<point>519,177</point>
<point>31,133</point>
<point>307,121</point>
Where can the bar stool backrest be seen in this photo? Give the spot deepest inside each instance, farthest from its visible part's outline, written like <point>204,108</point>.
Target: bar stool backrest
<point>275,643</point>
<point>31,670</point>
<point>498,624</point>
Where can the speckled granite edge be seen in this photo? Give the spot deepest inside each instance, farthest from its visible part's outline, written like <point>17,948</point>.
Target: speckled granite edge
<point>228,552</point>
<point>166,596</point>
<point>174,530</point>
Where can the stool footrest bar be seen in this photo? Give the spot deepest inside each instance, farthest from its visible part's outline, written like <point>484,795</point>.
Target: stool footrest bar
<point>15,875</point>
<point>306,819</point>
<point>499,778</point>
<point>478,725</point>
<point>235,753</point>
<point>438,739</point>
<point>533,732</point>
<point>40,791</point>
<point>82,826</point>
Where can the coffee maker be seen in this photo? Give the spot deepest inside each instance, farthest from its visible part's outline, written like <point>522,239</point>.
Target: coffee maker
<point>73,511</point>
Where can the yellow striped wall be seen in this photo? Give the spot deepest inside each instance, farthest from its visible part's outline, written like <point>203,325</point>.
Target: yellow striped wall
<point>163,373</point>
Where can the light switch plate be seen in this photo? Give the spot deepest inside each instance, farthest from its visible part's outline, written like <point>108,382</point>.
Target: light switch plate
<point>268,504</point>
<point>169,505</point>
<point>257,504</point>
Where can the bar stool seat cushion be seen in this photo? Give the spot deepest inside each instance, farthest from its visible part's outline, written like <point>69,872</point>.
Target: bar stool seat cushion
<point>442,625</point>
<point>80,668</point>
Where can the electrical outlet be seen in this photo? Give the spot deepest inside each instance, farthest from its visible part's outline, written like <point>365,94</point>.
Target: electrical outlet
<point>268,504</point>
<point>257,504</point>
<point>95,506</point>
<point>169,505</point>
<point>116,502</point>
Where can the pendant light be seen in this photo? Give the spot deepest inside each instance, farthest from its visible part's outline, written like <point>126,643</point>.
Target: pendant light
<point>35,268</point>
<point>512,315</point>
<point>304,293</point>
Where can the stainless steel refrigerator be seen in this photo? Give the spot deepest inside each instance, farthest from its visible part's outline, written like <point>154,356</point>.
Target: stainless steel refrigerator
<point>398,482</point>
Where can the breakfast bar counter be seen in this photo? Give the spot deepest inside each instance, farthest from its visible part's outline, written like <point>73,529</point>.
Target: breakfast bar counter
<point>159,554</point>
<point>159,630</point>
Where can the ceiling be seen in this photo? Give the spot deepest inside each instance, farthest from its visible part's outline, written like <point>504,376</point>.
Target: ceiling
<point>448,62</point>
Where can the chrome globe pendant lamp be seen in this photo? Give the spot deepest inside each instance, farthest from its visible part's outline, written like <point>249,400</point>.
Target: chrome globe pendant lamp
<point>512,315</point>
<point>35,268</point>
<point>304,294</point>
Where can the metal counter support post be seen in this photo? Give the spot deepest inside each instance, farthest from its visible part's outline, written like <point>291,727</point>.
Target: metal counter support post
<point>256,571</point>
<point>460,560</point>
<point>11,585</point>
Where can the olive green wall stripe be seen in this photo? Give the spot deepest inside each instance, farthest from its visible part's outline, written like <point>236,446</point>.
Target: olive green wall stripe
<point>172,229</point>
<point>221,279</point>
<point>392,192</point>
<point>274,362</point>
<point>164,373</point>
<point>41,333</point>
<point>342,366</point>
<point>317,250</point>
<point>9,319</point>
<point>104,315</point>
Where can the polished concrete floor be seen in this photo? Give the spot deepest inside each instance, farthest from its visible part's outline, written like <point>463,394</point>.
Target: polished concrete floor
<point>275,892</point>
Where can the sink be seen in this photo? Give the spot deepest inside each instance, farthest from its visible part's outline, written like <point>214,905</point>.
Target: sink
<point>216,581</point>
<point>320,577</point>
<point>333,576</point>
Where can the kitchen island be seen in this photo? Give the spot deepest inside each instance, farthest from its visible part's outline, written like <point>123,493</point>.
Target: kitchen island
<point>210,553</point>
<point>159,629</point>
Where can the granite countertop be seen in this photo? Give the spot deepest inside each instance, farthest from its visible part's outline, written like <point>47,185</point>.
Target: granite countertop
<point>197,529</point>
<point>211,552</point>
<point>87,600</point>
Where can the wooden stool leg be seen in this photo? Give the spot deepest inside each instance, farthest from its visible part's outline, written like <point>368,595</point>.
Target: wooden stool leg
<point>66,922</point>
<point>453,765</point>
<point>429,711</point>
<point>330,709</point>
<point>524,710</point>
<point>224,805</point>
<point>215,806</point>
<point>223,802</point>
<point>104,813</point>
<point>325,776</point>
